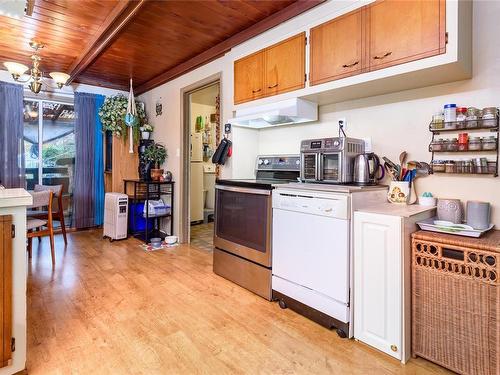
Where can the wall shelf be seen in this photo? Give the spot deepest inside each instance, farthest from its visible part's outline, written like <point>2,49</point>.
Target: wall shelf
<point>487,125</point>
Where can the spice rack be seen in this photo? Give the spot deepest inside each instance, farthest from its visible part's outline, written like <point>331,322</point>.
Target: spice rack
<point>468,167</point>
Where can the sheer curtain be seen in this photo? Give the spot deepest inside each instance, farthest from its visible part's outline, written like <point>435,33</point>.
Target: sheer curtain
<point>88,192</point>
<point>11,135</point>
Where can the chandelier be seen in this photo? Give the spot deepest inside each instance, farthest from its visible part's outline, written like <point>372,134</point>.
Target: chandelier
<point>36,77</point>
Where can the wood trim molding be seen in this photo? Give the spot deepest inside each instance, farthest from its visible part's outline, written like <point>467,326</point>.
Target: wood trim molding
<point>118,18</point>
<point>220,49</point>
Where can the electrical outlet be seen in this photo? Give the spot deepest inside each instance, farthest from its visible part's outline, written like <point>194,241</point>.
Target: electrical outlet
<point>368,144</point>
<point>343,121</point>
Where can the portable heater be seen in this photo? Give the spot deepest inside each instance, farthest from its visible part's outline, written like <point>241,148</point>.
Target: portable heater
<point>115,216</point>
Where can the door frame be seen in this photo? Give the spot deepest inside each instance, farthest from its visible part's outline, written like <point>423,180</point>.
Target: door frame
<point>184,215</point>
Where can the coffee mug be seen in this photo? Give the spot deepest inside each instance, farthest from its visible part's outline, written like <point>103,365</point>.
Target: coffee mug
<point>478,214</point>
<point>450,210</point>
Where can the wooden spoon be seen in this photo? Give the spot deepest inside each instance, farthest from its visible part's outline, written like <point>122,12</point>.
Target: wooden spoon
<point>402,158</point>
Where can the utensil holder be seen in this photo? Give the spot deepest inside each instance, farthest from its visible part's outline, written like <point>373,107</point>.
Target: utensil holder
<point>399,192</point>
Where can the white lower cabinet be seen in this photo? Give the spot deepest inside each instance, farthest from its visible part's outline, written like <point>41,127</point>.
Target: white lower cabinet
<point>381,282</point>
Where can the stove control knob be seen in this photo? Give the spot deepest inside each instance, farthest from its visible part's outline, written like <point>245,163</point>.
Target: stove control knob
<point>266,162</point>
<point>297,162</point>
<point>261,161</point>
<point>336,143</point>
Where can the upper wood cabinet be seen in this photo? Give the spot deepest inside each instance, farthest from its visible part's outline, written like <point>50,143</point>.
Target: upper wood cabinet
<point>336,48</point>
<point>285,66</point>
<point>380,35</point>
<point>249,78</point>
<point>5,289</point>
<point>277,69</point>
<point>402,31</point>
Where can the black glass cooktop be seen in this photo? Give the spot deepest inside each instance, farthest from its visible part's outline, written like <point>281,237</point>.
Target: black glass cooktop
<point>253,183</point>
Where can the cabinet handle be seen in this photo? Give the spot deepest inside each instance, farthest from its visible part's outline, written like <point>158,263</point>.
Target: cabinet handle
<point>254,91</point>
<point>272,87</point>
<point>383,56</point>
<point>350,65</point>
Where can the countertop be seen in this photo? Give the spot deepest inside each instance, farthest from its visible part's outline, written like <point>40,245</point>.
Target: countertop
<point>402,210</point>
<point>329,187</point>
<point>15,197</point>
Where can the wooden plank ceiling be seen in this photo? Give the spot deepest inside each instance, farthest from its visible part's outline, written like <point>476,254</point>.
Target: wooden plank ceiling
<point>105,43</point>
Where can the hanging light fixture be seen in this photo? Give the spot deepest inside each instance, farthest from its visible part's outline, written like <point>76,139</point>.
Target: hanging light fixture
<point>36,75</point>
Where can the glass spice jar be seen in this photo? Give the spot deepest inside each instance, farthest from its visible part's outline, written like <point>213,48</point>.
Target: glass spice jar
<point>450,166</point>
<point>489,143</point>
<point>451,145</point>
<point>489,118</point>
<point>461,117</point>
<point>463,142</point>
<point>472,116</point>
<point>467,166</point>
<point>438,121</point>
<point>438,166</point>
<point>475,144</point>
<point>437,145</point>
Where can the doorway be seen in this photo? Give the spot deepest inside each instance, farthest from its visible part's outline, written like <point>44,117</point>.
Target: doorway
<point>202,127</point>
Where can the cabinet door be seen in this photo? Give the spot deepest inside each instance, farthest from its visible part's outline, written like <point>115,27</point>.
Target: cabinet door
<point>377,281</point>
<point>249,78</point>
<point>336,48</point>
<point>285,66</point>
<point>5,289</point>
<point>402,31</point>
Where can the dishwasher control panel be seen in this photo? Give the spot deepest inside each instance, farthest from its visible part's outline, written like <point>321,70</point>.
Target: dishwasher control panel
<point>314,203</point>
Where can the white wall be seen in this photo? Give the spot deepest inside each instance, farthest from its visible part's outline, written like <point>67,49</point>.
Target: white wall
<point>394,121</point>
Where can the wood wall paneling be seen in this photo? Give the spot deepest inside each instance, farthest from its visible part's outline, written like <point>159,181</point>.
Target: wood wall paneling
<point>5,289</point>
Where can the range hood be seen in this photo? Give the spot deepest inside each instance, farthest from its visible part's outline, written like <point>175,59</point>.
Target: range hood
<point>285,112</point>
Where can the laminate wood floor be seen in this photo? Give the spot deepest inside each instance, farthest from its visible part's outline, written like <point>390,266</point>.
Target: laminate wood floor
<point>111,308</point>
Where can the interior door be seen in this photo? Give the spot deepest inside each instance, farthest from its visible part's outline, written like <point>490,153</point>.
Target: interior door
<point>285,65</point>
<point>303,256</point>
<point>336,48</point>
<point>249,78</point>
<point>402,31</point>
<point>5,289</point>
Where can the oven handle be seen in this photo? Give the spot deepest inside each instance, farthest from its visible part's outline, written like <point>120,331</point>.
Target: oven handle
<point>243,190</point>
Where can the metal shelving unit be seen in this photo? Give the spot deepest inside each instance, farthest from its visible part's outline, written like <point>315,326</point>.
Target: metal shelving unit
<point>466,127</point>
<point>144,191</point>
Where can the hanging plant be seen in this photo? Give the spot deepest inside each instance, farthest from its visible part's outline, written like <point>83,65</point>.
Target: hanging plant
<point>112,114</point>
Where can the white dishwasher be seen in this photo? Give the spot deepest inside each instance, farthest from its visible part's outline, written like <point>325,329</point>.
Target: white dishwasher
<point>311,255</point>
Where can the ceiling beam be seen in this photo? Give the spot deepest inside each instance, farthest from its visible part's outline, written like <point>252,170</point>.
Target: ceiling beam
<point>123,12</point>
<point>220,49</point>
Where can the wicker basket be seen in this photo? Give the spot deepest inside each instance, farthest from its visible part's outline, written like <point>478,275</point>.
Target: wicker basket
<point>456,304</point>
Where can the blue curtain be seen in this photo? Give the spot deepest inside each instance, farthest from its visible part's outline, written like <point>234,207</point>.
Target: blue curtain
<point>98,164</point>
<point>88,192</point>
<point>11,135</point>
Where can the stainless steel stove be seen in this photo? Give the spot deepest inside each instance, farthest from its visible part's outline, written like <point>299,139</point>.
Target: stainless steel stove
<point>243,218</point>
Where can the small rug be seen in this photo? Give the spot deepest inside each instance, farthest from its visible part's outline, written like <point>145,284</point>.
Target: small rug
<point>149,248</point>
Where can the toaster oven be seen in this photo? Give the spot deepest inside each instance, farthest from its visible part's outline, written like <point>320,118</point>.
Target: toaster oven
<point>329,160</point>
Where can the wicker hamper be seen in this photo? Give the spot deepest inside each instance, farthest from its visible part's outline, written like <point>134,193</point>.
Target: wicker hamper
<point>455,301</point>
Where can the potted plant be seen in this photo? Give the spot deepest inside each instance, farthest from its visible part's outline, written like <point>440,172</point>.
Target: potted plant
<point>156,154</point>
<point>112,114</point>
<point>146,130</point>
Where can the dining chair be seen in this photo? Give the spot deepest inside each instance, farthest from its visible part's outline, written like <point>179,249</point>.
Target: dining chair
<point>58,214</point>
<point>37,227</point>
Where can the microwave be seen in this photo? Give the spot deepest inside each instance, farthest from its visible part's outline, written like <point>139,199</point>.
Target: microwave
<point>329,160</point>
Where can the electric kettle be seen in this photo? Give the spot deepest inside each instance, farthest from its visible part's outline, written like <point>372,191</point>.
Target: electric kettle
<point>366,168</point>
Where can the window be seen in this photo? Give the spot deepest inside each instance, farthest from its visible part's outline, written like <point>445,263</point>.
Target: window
<point>49,147</point>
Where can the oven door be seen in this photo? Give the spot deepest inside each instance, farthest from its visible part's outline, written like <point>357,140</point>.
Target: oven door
<point>330,167</point>
<point>243,222</point>
<point>309,166</point>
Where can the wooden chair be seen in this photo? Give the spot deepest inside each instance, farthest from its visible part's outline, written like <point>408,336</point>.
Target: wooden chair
<point>37,227</point>
<point>57,215</point>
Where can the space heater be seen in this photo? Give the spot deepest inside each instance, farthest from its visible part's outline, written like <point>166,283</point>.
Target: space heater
<point>115,216</point>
